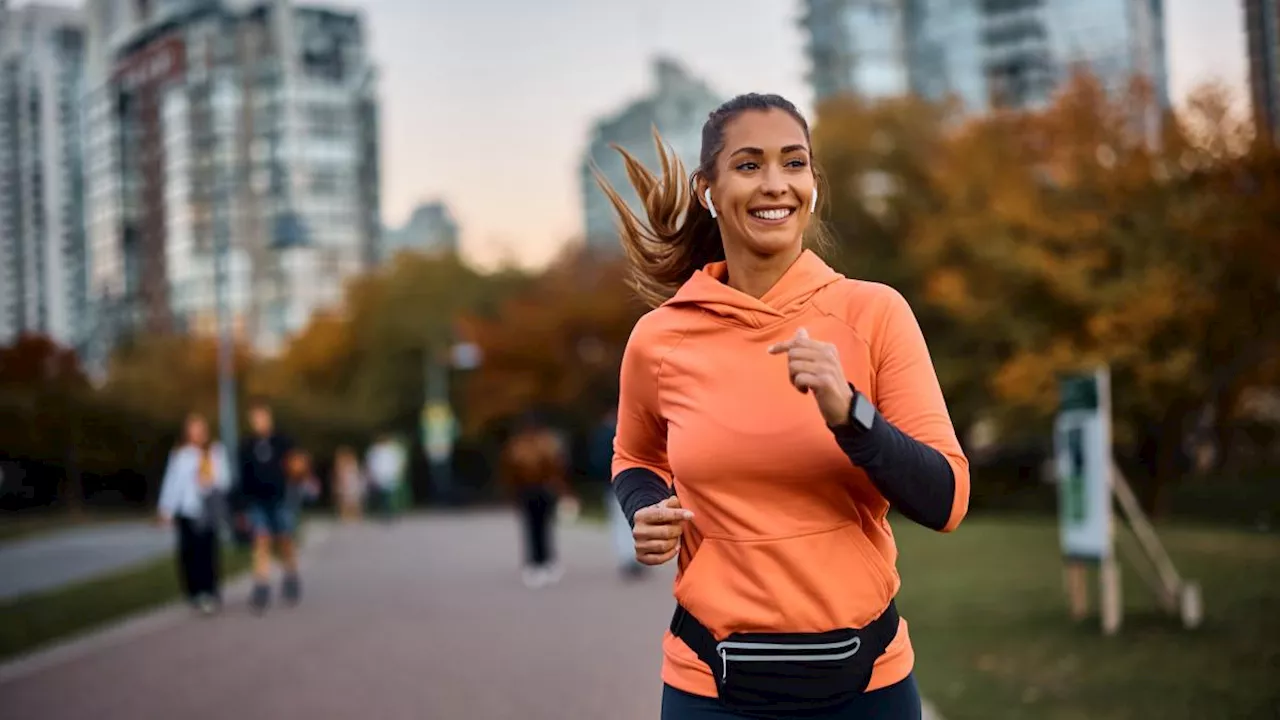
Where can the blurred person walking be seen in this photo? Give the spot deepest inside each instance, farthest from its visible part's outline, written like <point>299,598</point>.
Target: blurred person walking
<point>533,470</point>
<point>349,484</point>
<point>192,497</point>
<point>270,471</point>
<point>771,413</point>
<point>600,461</point>
<point>386,461</point>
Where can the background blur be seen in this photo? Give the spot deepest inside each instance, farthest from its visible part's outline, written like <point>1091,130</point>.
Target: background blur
<point>375,208</point>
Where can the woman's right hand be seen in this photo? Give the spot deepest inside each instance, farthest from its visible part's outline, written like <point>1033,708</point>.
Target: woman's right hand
<point>657,531</point>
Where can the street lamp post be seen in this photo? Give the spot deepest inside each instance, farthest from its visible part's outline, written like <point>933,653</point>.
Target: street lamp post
<point>226,359</point>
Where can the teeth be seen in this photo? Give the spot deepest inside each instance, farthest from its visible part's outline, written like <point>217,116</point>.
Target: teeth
<point>777,214</point>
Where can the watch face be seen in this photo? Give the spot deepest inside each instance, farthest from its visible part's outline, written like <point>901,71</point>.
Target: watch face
<point>864,413</point>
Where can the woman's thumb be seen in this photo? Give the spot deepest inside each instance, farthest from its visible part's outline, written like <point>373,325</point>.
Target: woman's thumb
<point>673,503</point>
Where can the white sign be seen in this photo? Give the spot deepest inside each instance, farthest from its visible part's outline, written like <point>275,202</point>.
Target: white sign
<point>1082,454</point>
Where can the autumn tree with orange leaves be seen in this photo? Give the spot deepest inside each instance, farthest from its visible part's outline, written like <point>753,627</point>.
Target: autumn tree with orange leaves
<point>1054,240</point>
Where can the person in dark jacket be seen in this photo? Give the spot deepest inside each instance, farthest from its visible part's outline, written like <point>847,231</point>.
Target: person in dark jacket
<point>268,464</point>
<point>534,471</point>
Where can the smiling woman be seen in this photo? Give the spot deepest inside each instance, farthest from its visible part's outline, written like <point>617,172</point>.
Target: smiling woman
<point>774,500</point>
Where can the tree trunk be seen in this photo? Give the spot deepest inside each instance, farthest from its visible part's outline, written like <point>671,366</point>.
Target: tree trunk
<point>1168,462</point>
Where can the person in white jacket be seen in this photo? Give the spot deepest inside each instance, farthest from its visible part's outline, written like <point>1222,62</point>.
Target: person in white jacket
<point>195,484</point>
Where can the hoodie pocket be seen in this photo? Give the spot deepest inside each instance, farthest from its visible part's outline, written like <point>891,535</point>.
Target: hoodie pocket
<point>815,582</point>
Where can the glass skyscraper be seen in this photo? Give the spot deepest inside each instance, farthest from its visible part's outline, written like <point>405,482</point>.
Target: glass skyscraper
<point>42,236</point>
<point>678,107</point>
<point>251,122</point>
<point>987,53</point>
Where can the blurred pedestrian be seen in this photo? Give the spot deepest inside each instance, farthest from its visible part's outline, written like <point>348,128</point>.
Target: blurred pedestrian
<point>386,461</point>
<point>272,478</point>
<point>349,484</point>
<point>771,412</point>
<point>192,497</point>
<point>600,460</point>
<point>533,469</point>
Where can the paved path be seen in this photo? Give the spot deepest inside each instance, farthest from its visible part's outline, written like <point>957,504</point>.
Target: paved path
<point>52,560</point>
<point>427,619</point>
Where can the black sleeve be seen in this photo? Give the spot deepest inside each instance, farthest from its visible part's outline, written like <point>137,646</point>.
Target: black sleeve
<point>638,488</point>
<point>915,478</point>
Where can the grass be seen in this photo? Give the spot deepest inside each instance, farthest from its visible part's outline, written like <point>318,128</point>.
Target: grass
<point>32,621</point>
<point>24,525</point>
<point>988,619</point>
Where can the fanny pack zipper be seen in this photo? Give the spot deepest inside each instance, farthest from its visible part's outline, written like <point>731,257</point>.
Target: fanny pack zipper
<point>724,648</point>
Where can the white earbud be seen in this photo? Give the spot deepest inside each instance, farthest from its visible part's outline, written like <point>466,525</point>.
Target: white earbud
<point>813,202</point>
<point>710,206</point>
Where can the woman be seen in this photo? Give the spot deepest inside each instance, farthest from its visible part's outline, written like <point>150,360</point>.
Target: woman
<point>533,470</point>
<point>194,486</point>
<point>771,413</point>
<point>349,484</point>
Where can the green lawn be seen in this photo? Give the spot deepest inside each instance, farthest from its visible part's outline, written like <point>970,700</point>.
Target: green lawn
<point>988,619</point>
<point>31,621</point>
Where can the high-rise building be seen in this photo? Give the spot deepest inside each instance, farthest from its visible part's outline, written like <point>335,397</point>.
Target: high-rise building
<point>1262,27</point>
<point>212,121</point>
<point>856,46</point>
<point>678,107</point>
<point>987,53</point>
<point>42,239</point>
<point>430,230</point>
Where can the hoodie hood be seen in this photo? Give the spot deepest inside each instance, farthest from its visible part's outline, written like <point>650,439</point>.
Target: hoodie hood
<point>788,297</point>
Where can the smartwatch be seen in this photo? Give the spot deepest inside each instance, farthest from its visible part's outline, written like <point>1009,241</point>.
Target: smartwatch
<point>862,414</point>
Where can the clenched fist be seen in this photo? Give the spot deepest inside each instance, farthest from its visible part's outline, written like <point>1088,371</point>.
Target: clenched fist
<point>657,531</point>
<point>815,366</point>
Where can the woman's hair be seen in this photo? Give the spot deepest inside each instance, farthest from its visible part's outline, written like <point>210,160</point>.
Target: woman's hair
<point>680,236</point>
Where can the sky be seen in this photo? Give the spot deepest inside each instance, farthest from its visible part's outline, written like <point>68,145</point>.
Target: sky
<point>488,104</point>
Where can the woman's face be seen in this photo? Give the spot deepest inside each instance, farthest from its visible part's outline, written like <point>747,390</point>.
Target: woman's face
<point>764,183</point>
<point>197,431</point>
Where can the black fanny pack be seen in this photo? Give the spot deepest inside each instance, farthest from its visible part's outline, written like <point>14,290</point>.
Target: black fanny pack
<point>776,675</point>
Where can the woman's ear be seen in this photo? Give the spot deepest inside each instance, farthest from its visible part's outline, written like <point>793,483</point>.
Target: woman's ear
<point>705,198</point>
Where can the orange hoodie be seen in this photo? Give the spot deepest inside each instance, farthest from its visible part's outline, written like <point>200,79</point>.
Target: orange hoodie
<point>788,535</point>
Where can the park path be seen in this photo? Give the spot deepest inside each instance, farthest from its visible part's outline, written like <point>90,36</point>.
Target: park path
<point>426,618</point>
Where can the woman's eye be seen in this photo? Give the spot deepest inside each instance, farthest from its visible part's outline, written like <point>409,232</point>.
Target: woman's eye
<point>796,163</point>
<point>748,166</point>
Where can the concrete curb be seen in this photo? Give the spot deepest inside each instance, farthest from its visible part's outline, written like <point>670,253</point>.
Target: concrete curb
<point>142,623</point>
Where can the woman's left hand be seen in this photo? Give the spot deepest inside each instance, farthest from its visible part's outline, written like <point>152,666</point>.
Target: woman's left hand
<point>816,366</point>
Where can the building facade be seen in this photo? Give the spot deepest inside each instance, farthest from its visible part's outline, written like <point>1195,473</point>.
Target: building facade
<point>248,127</point>
<point>1262,28</point>
<point>856,47</point>
<point>678,107</point>
<point>986,53</point>
<point>43,281</point>
<point>430,230</point>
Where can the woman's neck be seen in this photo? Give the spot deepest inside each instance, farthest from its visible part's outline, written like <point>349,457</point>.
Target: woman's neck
<point>754,274</point>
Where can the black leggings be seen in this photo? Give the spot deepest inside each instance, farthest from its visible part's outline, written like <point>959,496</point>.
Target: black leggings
<point>900,701</point>
<point>537,505</point>
<point>198,561</point>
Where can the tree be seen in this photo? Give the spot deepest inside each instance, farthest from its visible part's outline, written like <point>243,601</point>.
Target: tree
<point>1066,238</point>
<point>42,392</point>
<point>877,160</point>
<point>354,373</point>
<point>557,344</point>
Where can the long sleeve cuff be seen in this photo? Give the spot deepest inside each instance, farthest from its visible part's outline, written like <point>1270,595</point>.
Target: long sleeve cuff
<point>638,488</point>
<point>914,477</point>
